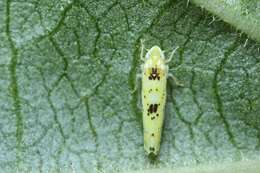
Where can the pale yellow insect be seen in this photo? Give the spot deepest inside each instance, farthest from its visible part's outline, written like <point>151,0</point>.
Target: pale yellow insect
<point>154,78</point>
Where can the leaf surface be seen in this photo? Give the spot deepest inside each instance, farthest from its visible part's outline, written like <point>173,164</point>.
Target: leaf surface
<point>244,15</point>
<point>67,69</point>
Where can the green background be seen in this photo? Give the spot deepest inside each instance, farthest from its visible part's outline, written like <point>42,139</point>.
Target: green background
<point>67,69</point>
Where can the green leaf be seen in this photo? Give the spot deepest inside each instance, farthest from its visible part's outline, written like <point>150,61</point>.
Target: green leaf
<point>235,167</point>
<point>67,69</point>
<point>242,14</point>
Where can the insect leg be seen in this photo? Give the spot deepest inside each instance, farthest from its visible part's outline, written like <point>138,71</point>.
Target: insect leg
<point>142,50</point>
<point>137,80</point>
<point>168,60</point>
<point>188,1</point>
<point>176,81</point>
<point>137,86</point>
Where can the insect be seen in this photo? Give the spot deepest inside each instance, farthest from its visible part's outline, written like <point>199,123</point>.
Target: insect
<point>154,78</point>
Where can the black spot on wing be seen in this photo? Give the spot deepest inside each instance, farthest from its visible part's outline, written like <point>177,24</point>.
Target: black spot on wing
<point>155,107</point>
